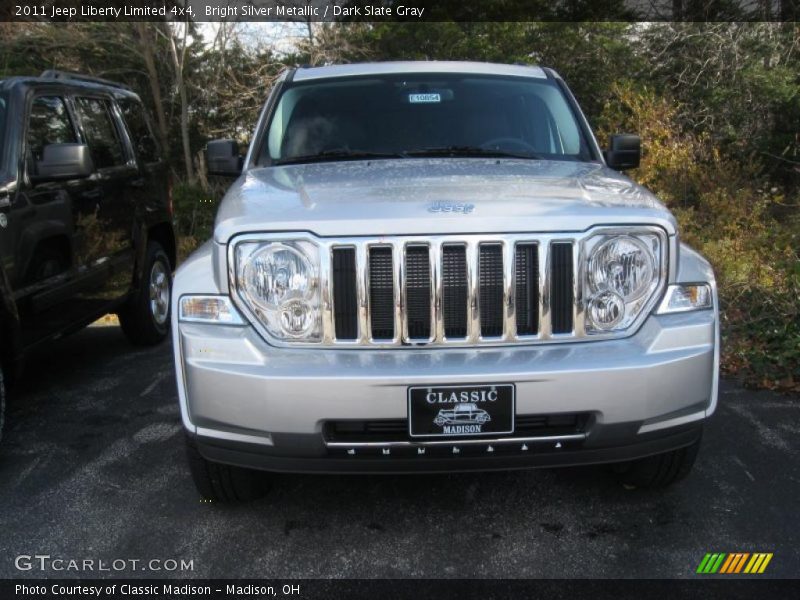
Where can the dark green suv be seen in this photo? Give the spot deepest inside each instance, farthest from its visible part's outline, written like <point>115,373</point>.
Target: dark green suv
<point>85,214</point>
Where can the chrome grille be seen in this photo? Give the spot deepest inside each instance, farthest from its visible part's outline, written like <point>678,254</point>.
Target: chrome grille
<point>450,290</point>
<point>418,293</point>
<point>526,271</point>
<point>381,293</point>
<point>454,291</point>
<point>490,284</point>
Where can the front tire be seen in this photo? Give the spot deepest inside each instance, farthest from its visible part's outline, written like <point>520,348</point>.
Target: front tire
<point>658,471</point>
<point>145,317</point>
<point>224,483</point>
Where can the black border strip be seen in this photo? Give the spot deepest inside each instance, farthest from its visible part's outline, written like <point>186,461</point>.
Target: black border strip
<point>732,587</point>
<point>408,11</point>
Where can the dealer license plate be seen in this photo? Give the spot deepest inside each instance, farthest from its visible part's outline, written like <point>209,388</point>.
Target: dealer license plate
<point>460,410</point>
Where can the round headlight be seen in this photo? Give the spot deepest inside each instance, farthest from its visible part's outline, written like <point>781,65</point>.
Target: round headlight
<point>276,275</point>
<point>606,309</point>
<point>623,265</point>
<point>297,318</point>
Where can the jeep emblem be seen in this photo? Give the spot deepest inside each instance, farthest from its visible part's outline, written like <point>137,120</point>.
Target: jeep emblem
<point>449,207</point>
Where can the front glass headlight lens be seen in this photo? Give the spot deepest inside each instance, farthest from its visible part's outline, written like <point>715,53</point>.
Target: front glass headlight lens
<point>624,265</point>
<point>279,282</point>
<point>606,310</point>
<point>623,271</point>
<point>276,274</point>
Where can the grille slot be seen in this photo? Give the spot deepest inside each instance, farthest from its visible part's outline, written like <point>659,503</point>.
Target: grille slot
<point>418,292</point>
<point>527,288</point>
<point>345,305</point>
<point>381,293</point>
<point>490,273</point>
<point>561,296</point>
<point>454,291</point>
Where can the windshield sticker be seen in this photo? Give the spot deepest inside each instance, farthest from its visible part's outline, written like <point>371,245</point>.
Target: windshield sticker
<point>424,98</point>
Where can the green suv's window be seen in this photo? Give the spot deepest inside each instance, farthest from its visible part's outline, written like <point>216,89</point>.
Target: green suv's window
<point>101,133</point>
<point>141,136</point>
<point>423,115</point>
<point>49,123</point>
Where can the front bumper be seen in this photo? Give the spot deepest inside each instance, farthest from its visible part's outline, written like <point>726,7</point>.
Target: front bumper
<point>254,405</point>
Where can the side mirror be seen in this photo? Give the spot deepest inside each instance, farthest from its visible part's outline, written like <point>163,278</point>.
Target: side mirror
<point>222,158</point>
<point>624,152</point>
<point>63,161</point>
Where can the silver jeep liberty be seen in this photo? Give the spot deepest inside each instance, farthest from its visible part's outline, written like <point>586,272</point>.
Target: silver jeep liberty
<point>433,267</point>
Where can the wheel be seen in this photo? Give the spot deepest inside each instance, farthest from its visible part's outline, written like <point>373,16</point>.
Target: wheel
<point>658,471</point>
<point>2,403</point>
<point>145,317</point>
<point>224,483</point>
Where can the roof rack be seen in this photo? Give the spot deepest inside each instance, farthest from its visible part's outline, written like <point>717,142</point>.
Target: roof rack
<point>56,74</point>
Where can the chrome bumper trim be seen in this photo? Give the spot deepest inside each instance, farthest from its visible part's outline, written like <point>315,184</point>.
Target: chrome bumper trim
<point>461,442</point>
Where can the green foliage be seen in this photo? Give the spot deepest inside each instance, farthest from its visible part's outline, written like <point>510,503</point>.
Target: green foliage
<point>195,209</point>
<point>730,213</point>
<point>589,55</point>
<point>736,82</point>
<point>717,105</point>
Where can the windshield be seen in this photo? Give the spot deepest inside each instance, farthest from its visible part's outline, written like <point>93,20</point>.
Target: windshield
<point>423,115</point>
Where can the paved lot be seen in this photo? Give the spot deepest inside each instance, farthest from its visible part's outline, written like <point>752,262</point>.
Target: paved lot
<point>92,467</point>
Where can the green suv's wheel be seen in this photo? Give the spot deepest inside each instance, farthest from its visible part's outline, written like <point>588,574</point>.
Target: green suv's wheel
<point>657,471</point>
<point>224,483</point>
<point>145,317</point>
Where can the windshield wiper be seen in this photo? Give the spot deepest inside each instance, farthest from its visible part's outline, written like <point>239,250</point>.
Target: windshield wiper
<point>474,151</point>
<point>336,154</point>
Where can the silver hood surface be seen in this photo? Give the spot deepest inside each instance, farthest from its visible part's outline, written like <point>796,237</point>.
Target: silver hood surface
<point>393,197</point>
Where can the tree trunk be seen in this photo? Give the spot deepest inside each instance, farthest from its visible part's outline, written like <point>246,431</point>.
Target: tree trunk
<point>146,44</point>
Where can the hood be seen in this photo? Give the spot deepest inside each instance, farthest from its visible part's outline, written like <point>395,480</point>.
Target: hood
<point>400,197</point>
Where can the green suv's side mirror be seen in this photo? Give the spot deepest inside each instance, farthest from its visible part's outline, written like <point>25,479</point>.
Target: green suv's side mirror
<point>63,161</point>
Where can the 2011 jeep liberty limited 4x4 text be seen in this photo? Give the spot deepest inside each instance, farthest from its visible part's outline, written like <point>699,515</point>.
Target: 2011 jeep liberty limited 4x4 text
<point>408,238</point>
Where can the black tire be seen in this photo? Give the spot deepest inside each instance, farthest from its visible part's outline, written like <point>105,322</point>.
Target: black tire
<point>141,321</point>
<point>659,470</point>
<point>2,403</point>
<point>224,483</point>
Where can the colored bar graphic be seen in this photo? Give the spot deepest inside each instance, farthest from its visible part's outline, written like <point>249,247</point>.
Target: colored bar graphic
<point>727,564</point>
<point>711,563</point>
<point>765,563</point>
<point>734,563</point>
<point>701,568</point>
<point>741,562</point>
<point>723,563</point>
